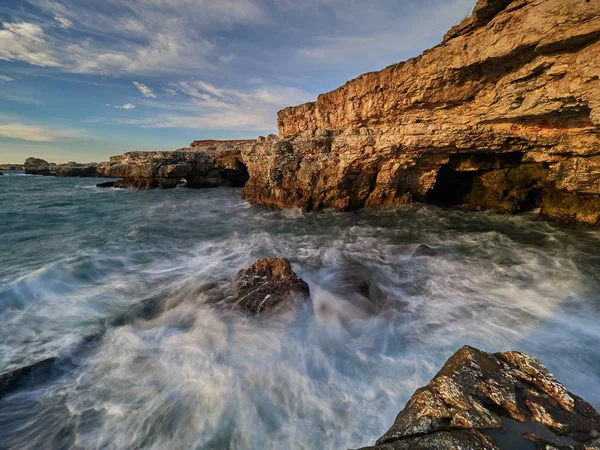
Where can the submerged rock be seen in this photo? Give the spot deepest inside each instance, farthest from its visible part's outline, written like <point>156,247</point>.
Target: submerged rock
<point>424,250</point>
<point>36,166</point>
<point>267,285</point>
<point>10,380</point>
<point>476,394</point>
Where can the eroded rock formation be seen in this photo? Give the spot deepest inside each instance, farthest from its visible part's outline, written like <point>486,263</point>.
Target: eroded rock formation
<point>503,114</point>
<point>77,170</point>
<point>268,285</point>
<point>477,394</point>
<point>37,166</point>
<point>208,165</point>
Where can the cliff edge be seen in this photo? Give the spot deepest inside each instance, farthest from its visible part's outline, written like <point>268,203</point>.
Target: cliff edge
<point>504,114</point>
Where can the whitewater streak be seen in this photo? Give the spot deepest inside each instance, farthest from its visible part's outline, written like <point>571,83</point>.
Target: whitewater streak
<point>114,284</point>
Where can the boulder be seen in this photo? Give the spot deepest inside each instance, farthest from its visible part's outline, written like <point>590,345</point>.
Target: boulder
<point>481,400</point>
<point>36,166</point>
<point>268,285</point>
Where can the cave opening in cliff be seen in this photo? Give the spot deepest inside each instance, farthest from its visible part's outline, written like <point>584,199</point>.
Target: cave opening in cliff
<point>451,187</point>
<point>502,182</point>
<point>239,177</point>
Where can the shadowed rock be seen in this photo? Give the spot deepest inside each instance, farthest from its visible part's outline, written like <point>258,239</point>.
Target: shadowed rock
<point>36,166</point>
<point>107,184</point>
<point>424,250</point>
<point>77,171</point>
<point>269,284</point>
<point>476,394</point>
<point>10,380</point>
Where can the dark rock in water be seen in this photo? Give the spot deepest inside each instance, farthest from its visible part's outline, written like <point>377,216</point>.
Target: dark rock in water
<point>1,174</point>
<point>9,381</point>
<point>36,166</point>
<point>267,285</point>
<point>478,396</point>
<point>107,184</point>
<point>424,250</point>
<point>77,171</point>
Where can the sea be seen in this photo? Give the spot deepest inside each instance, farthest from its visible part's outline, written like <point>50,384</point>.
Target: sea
<point>105,293</point>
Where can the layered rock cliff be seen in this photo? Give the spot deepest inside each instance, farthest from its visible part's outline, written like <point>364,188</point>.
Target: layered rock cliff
<point>212,163</point>
<point>503,114</point>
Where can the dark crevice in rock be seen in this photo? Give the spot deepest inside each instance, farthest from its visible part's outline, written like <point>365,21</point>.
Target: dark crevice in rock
<point>490,181</point>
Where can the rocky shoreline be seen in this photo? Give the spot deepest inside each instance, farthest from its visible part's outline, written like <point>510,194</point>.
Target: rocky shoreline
<point>502,115</point>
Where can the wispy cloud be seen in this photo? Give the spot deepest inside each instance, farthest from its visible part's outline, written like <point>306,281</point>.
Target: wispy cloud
<point>205,106</point>
<point>6,78</point>
<point>26,42</point>
<point>34,133</point>
<point>145,90</point>
<point>126,106</point>
<point>63,22</point>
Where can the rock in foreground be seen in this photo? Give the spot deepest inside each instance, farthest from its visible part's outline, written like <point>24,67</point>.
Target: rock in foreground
<point>477,394</point>
<point>267,285</point>
<point>37,166</point>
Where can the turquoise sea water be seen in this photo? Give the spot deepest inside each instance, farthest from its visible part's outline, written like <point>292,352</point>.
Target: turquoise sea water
<point>113,283</point>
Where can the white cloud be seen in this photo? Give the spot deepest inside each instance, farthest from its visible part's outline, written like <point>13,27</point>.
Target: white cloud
<point>5,78</point>
<point>170,91</point>
<point>26,42</point>
<point>34,133</point>
<point>205,106</point>
<point>63,22</point>
<point>144,36</point>
<point>145,90</point>
<point>125,106</point>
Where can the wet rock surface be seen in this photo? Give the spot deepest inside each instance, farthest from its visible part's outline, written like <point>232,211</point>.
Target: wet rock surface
<point>37,166</point>
<point>268,285</point>
<point>480,400</point>
<point>11,380</point>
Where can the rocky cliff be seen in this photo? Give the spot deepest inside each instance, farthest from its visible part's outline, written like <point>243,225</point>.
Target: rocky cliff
<point>503,114</point>
<point>212,163</point>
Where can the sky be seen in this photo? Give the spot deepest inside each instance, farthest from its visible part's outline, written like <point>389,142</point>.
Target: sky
<point>81,80</point>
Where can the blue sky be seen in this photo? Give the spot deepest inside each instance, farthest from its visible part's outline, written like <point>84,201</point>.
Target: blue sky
<point>81,80</point>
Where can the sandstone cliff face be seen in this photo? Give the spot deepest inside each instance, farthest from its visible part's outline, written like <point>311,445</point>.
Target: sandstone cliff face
<point>503,114</point>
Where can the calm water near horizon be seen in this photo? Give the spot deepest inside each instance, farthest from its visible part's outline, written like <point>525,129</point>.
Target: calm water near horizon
<point>114,283</point>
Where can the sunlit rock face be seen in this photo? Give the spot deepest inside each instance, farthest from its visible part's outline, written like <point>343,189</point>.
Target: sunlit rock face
<point>213,164</point>
<point>503,114</point>
<point>490,401</point>
<point>36,166</point>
